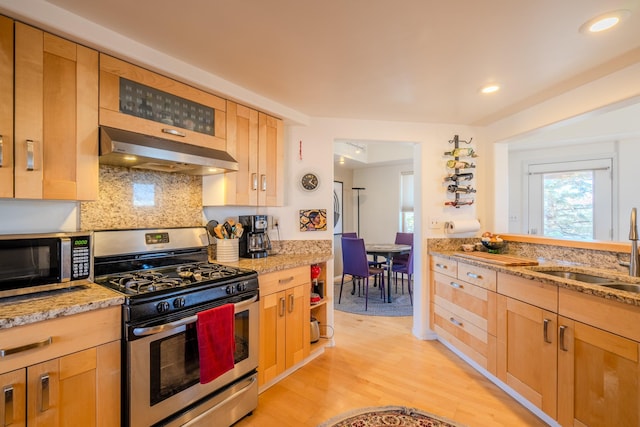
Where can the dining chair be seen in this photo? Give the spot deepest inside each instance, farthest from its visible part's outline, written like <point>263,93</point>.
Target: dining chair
<point>403,269</point>
<point>402,260</point>
<point>356,265</point>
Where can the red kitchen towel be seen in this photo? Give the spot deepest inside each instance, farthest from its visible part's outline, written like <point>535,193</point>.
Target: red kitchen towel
<point>216,341</point>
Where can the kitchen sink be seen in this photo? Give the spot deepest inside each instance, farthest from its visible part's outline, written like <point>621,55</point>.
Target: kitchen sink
<point>629,287</point>
<point>580,277</point>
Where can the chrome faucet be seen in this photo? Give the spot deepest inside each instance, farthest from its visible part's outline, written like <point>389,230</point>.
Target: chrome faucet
<point>634,267</point>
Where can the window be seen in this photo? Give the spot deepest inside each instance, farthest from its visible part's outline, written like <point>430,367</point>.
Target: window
<point>563,202</point>
<point>406,202</point>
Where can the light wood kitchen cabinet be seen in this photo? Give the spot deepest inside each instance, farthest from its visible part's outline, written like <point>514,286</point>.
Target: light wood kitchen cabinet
<point>284,321</point>
<point>135,99</point>
<point>256,141</point>
<point>6,107</point>
<point>598,362</point>
<point>55,116</point>
<point>464,312</point>
<point>71,377</point>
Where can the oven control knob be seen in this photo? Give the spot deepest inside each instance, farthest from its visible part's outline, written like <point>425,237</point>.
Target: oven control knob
<point>163,307</point>
<point>241,287</point>
<point>179,302</point>
<point>230,289</point>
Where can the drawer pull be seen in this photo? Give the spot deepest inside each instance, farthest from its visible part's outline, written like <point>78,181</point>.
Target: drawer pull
<point>174,132</point>
<point>287,280</point>
<point>474,275</point>
<point>456,285</point>
<point>545,333</point>
<point>442,266</point>
<point>44,392</point>
<point>563,347</point>
<point>14,350</point>
<point>7,400</point>
<point>455,322</point>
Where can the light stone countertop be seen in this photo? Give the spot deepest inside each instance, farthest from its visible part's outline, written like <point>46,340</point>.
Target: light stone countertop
<point>26,309</point>
<point>536,273</point>
<point>87,296</point>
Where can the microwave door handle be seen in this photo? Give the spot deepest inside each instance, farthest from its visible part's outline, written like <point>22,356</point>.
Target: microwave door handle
<point>152,330</point>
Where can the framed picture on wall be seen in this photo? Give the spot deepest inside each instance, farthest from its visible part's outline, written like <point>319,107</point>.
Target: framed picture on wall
<point>313,220</point>
<point>337,207</point>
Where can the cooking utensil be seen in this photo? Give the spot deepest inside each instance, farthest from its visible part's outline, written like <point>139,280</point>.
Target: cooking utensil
<point>211,225</point>
<point>238,230</point>
<point>218,231</point>
<point>228,231</point>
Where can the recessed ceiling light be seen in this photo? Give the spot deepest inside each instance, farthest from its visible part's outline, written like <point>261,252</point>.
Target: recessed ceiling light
<point>490,88</point>
<point>605,21</point>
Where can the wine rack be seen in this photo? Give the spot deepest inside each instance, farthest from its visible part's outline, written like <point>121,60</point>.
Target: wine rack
<point>459,182</point>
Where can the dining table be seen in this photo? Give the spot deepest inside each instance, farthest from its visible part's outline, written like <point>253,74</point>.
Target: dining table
<point>387,250</point>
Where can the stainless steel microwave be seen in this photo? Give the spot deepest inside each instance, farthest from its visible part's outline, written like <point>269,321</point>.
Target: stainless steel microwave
<point>41,262</point>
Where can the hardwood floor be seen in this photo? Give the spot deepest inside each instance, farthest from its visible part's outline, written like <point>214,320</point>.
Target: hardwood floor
<point>376,361</point>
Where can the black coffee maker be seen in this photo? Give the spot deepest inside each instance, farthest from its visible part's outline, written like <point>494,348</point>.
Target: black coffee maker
<point>254,242</point>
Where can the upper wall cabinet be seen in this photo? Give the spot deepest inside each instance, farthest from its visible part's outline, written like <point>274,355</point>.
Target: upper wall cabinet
<point>142,101</point>
<point>6,107</point>
<point>55,117</point>
<point>256,141</point>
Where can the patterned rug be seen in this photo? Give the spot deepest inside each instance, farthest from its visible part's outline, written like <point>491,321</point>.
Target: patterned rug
<point>400,303</point>
<point>388,416</point>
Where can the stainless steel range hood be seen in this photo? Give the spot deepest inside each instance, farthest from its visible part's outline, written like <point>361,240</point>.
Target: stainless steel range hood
<point>134,150</point>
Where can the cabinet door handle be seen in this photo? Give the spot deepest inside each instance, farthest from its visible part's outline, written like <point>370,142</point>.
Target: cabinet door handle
<point>282,306</point>
<point>30,154</point>
<point>455,322</point>
<point>7,391</point>
<point>442,266</point>
<point>563,347</point>
<point>456,285</point>
<point>474,275</point>
<point>1,150</point>
<point>14,350</point>
<point>263,182</point>
<point>44,392</point>
<point>545,331</point>
<point>292,300</point>
<point>174,132</point>
<point>254,181</point>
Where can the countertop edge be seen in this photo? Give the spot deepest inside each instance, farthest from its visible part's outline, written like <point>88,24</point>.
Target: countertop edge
<point>535,273</point>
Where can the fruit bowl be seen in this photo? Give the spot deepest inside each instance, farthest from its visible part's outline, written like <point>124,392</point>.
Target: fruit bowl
<point>493,247</point>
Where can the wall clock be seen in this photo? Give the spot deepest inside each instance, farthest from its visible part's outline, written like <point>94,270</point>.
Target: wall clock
<point>309,181</point>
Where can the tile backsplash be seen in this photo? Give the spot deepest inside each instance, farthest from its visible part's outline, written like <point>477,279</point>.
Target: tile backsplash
<point>131,198</point>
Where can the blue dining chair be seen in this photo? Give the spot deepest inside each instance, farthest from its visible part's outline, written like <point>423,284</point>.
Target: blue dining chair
<point>403,269</point>
<point>356,265</point>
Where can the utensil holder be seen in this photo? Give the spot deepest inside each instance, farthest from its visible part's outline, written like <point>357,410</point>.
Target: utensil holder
<point>227,250</point>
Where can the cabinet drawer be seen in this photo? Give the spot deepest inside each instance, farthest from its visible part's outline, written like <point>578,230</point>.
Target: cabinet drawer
<point>281,280</point>
<point>473,303</point>
<point>68,335</point>
<point>475,342</point>
<point>534,292</point>
<point>618,318</point>
<point>480,276</point>
<point>444,266</point>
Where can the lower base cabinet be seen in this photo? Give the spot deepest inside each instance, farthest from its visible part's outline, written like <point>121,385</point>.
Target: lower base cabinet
<point>81,388</point>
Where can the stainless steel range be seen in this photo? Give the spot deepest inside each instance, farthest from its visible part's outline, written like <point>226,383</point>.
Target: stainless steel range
<point>166,280</point>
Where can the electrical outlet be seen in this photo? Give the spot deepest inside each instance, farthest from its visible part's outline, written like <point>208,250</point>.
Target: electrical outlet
<point>513,218</point>
<point>434,223</point>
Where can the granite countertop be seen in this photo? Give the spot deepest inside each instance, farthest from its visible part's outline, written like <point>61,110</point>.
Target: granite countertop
<point>537,273</point>
<point>84,296</point>
<point>87,296</point>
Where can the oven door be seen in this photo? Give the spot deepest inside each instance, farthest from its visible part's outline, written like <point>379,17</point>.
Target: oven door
<point>163,374</point>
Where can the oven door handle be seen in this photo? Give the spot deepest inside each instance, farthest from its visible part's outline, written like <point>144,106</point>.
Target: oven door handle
<point>152,330</point>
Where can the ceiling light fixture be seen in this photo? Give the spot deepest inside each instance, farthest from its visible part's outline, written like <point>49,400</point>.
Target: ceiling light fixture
<point>605,21</point>
<point>359,148</point>
<point>491,88</point>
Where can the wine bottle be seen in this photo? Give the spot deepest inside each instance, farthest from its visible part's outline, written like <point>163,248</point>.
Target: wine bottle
<point>468,176</point>
<point>457,164</point>
<point>460,189</point>
<point>458,203</point>
<point>461,152</point>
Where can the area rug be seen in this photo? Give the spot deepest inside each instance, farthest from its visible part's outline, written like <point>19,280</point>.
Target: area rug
<point>388,416</point>
<point>400,305</point>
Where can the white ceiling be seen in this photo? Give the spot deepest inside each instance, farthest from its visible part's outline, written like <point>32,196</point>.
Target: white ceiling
<point>399,60</point>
